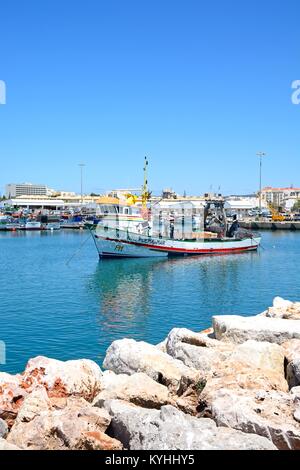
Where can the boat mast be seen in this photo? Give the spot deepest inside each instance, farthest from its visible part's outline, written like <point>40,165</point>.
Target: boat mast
<point>145,190</point>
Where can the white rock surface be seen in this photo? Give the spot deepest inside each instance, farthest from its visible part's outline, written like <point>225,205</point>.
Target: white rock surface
<point>293,373</point>
<point>34,404</point>
<point>128,356</point>
<point>260,355</point>
<point>196,349</point>
<point>279,302</point>
<point>268,414</point>
<point>292,354</point>
<point>284,309</point>
<point>170,429</point>
<point>79,377</point>
<point>138,388</point>
<point>162,346</point>
<point>3,429</point>
<point>253,365</point>
<point>4,445</point>
<point>74,427</point>
<point>11,396</point>
<point>237,329</point>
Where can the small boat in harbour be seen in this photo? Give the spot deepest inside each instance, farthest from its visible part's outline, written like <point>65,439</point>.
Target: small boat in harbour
<point>114,243</point>
<point>169,228</point>
<point>52,226</point>
<point>160,236</point>
<point>32,225</point>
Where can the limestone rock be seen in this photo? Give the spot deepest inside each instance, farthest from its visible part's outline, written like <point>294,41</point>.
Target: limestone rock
<point>268,414</point>
<point>293,373</point>
<point>196,350</point>
<point>128,356</point>
<point>262,362</point>
<point>61,429</point>
<point>209,332</point>
<point>284,309</point>
<point>253,365</point>
<point>297,415</point>
<point>162,346</point>
<point>260,355</point>
<point>170,429</point>
<point>3,429</point>
<point>78,377</point>
<point>6,378</point>
<point>292,354</point>
<point>97,440</point>
<point>137,388</point>
<point>237,329</point>
<point>11,397</point>
<point>295,392</point>
<point>4,445</point>
<point>34,404</point>
<point>291,349</point>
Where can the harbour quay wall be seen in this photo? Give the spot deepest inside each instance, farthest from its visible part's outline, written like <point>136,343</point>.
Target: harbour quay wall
<point>234,386</point>
<point>269,225</point>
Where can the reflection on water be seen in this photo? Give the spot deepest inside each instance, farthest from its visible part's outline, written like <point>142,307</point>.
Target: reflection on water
<point>130,291</point>
<point>123,289</point>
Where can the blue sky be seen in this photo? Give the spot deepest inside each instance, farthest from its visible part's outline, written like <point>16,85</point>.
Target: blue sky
<point>198,86</point>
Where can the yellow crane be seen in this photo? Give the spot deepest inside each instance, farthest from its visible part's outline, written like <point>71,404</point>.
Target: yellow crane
<point>131,199</point>
<point>276,216</point>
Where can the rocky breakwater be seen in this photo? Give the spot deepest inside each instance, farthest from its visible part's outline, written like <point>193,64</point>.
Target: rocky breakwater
<point>234,386</point>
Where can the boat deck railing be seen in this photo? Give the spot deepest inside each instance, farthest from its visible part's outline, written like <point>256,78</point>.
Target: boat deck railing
<point>127,235</point>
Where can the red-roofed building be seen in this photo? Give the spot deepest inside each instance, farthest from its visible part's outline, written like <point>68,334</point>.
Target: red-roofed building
<point>277,196</point>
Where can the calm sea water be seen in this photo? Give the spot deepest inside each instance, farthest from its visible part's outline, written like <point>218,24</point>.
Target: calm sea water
<point>59,300</point>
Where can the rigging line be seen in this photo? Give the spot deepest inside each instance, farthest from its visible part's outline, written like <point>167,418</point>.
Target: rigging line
<point>78,250</point>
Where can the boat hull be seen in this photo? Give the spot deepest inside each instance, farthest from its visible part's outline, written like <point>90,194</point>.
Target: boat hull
<point>146,247</point>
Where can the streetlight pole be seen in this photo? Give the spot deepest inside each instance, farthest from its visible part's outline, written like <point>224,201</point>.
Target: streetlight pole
<point>260,155</point>
<point>81,172</point>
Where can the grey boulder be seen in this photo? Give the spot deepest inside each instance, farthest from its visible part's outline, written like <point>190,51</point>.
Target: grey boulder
<point>170,429</point>
<point>128,356</point>
<point>237,329</point>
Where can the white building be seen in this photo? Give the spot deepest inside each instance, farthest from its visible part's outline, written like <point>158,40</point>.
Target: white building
<point>168,193</point>
<point>288,204</point>
<point>242,205</point>
<point>277,196</point>
<point>33,203</point>
<point>13,190</point>
<point>47,202</point>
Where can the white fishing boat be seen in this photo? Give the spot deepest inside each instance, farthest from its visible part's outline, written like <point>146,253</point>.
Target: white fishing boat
<point>112,243</point>
<point>114,213</point>
<point>52,226</point>
<point>169,229</point>
<point>32,225</point>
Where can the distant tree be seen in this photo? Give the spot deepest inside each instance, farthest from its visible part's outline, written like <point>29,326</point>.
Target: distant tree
<point>296,206</point>
<point>94,195</point>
